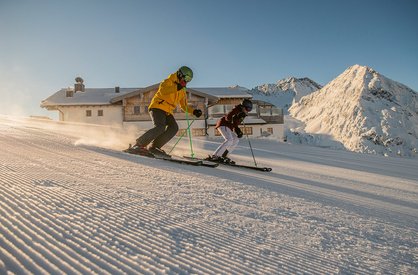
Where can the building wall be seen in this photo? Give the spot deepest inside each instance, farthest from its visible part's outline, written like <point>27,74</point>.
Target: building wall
<point>272,119</point>
<point>134,113</point>
<point>109,114</point>
<point>198,129</point>
<point>135,108</point>
<point>255,130</point>
<point>198,126</point>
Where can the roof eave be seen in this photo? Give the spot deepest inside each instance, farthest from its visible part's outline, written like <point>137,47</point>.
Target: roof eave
<point>134,93</point>
<point>50,105</point>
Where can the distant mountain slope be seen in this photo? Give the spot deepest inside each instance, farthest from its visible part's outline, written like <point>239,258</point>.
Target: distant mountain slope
<point>286,91</point>
<point>365,111</point>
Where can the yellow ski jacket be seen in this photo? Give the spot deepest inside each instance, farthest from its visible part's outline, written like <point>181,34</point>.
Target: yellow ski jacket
<point>167,98</point>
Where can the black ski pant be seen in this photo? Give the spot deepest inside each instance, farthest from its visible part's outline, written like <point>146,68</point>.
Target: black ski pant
<point>165,128</point>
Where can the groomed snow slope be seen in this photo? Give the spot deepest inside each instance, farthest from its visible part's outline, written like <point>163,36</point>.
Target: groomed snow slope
<point>80,209</point>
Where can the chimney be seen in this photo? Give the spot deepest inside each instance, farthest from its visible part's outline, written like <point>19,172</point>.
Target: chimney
<point>117,89</point>
<point>78,86</point>
<point>69,92</point>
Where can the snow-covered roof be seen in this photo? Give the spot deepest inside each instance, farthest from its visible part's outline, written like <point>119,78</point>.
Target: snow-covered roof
<point>212,99</point>
<point>91,96</point>
<point>226,92</point>
<point>107,96</point>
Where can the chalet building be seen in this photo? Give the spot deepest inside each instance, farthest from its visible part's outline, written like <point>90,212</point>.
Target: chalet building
<point>129,107</point>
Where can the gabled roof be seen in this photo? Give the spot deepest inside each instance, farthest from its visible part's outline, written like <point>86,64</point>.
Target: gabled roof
<point>262,103</point>
<point>108,96</point>
<point>134,93</point>
<point>91,96</point>
<point>212,99</point>
<point>226,92</point>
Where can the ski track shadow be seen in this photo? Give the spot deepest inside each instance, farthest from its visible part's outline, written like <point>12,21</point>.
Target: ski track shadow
<point>150,162</point>
<point>258,180</point>
<point>336,158</point>
<point>279,187</point>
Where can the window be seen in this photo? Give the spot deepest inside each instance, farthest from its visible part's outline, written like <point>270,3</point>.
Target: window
<point>247,130</point>
<point>88,113</point>
<point>228,108</point>
<point>267,132</point>
<point>99,112</point>
<point>265,111</point>
<point>195,132</point>
<point>137,110</point>
<point>181,132</point>
<point>217,110</point>
<point>277,111</point>
<point>198,132</point>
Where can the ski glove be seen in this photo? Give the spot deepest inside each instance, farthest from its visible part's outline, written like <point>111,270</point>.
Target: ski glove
<point>197,113</point>
<point>238,132</point>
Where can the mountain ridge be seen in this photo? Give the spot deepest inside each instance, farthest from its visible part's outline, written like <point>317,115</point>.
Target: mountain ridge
<point>365,111</point>
<point>285,92</point>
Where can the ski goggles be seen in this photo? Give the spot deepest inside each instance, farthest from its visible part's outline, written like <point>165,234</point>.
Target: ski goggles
<point>187,78</point>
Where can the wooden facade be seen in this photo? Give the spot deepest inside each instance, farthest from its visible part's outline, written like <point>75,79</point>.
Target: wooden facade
<point>270,113</point>
<point>129,106</point>
<point>135,107</point>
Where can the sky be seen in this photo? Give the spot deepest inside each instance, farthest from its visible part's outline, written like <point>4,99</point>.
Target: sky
<point>45,44</point>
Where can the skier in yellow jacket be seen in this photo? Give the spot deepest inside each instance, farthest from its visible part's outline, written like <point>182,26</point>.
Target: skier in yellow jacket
<point>171,93</point>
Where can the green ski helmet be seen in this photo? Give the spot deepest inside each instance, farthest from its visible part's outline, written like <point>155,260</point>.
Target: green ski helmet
<point>186,73</point>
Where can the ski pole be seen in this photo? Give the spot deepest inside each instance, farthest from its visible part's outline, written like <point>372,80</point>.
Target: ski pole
<point>182,135</point>
<point>251,148</point>
<point>188,130</point>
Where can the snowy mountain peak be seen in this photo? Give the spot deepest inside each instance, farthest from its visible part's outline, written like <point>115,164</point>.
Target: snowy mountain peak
<point>286,91</point>
<point>298,86</point>
<point>365,111</point>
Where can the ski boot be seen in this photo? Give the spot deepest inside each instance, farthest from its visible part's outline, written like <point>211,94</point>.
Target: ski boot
<point>138,149</point>
<point>227,160</point>
<point>158,152</point>
<point>214,158</point>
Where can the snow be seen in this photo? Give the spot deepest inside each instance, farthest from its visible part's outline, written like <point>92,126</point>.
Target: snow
<point>91,96</point>
<point>363,110</point>
<point>72,203</point>
<point>285,92</point>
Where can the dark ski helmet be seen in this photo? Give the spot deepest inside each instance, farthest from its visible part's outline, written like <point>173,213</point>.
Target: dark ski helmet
<point>248,105</point>
<point>185,73</point>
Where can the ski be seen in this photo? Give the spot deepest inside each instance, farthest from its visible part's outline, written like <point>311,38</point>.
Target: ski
<point>171,159</point>
<point>215,164</point>
<point>205,162</point>
<point>181,160</point>
<point>264,169</point>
